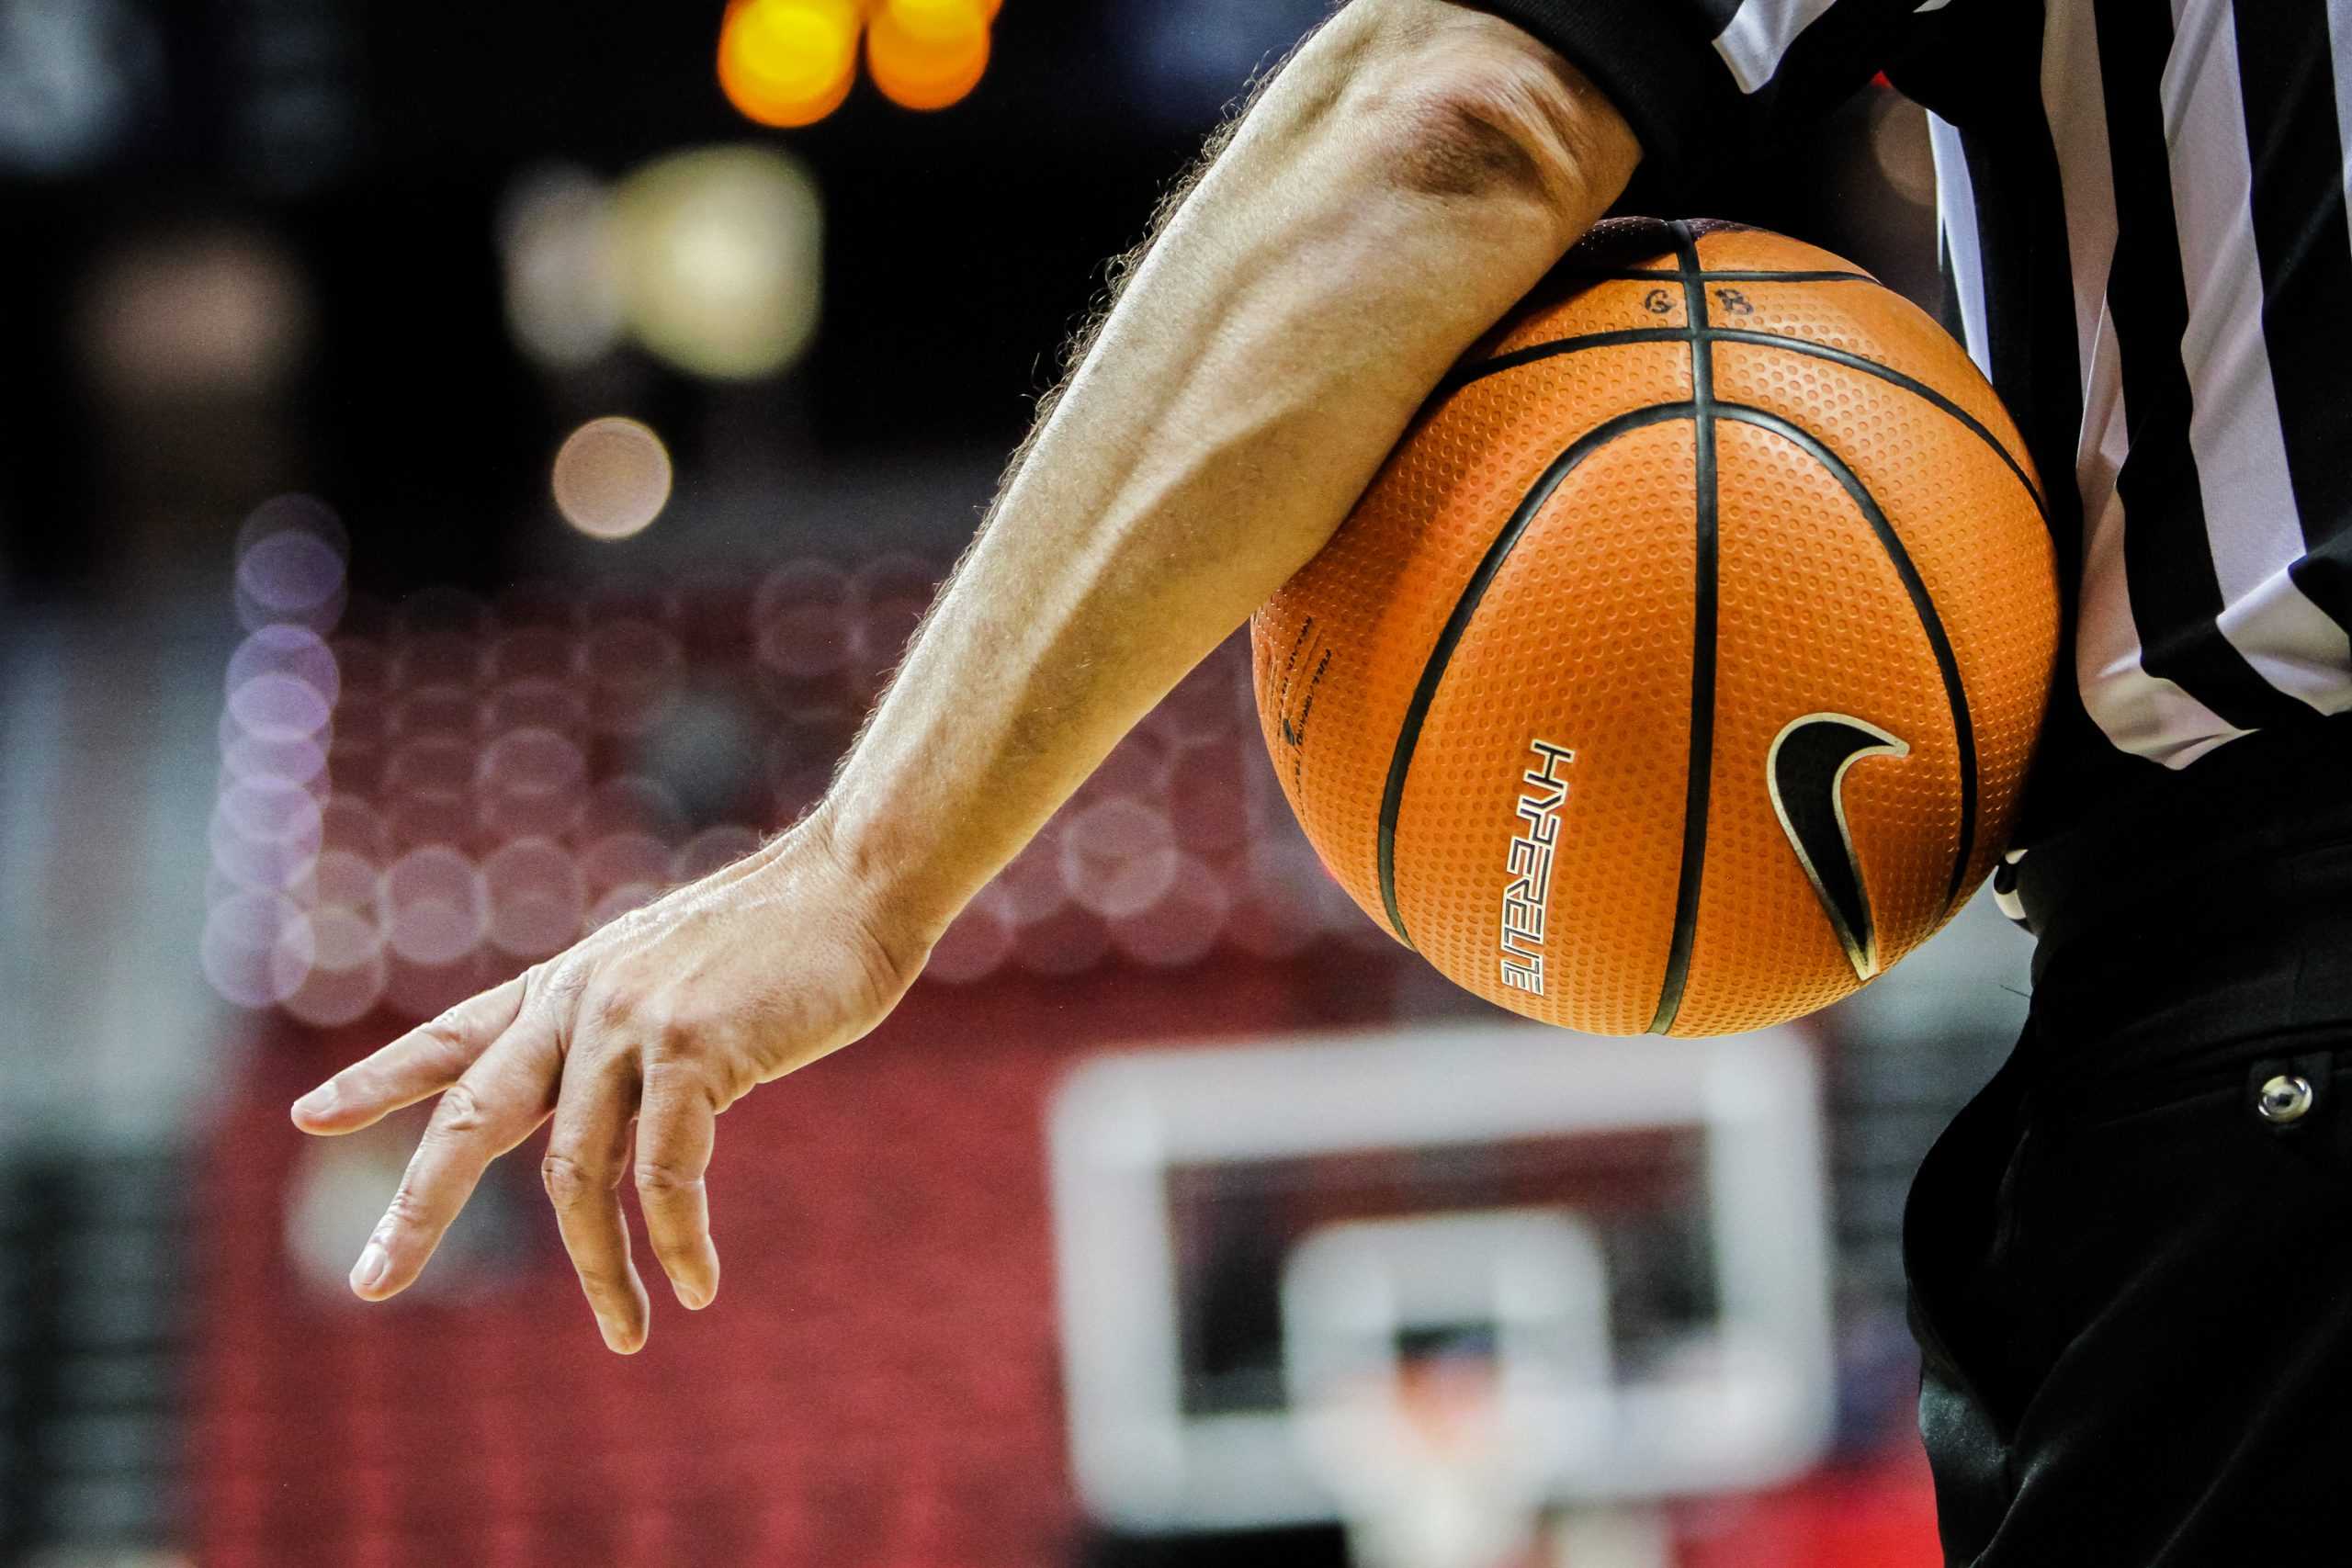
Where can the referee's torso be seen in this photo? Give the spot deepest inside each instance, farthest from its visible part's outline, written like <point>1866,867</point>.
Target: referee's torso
<point>2135,1339</point>
<point>2142,206</point>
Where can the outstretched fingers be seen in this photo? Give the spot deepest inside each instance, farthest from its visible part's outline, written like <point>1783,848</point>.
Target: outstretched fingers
<point>508,1091</point>
<point>421,1063</point>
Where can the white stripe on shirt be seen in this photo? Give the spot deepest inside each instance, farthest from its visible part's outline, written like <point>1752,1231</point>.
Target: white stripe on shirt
<point>1956,216</point>
<point>2339,48</point>
<point>2141,713</point>
<point>2233,429</point>
<point>2073,89</point>
<point>1761,33</point>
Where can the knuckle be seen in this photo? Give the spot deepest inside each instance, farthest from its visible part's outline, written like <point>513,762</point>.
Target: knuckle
<point>666,1177</point>
<point>447,1037</point>
<point>461,1110</point>
<point>567,1182</point>
<point>557,982</point>
<point>679,1067</point>
<point>615,1009</point>
<point>449,1022</point>
<point>702,1076</point>
<point>668,1032</point>
<point>403,1211</point>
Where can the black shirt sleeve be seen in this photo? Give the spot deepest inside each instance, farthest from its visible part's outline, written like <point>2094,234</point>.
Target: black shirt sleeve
<point>1701,80</point>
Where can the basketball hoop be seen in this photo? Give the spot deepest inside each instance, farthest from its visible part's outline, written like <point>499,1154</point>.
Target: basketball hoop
<point>1484,1302</point>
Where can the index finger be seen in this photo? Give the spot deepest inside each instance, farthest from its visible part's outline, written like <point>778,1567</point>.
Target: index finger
<point>420,1064</point>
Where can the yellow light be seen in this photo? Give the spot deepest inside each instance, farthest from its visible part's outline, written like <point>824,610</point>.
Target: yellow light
<point>720,251</point>
<point>927,54</point>
<point>788,62</point>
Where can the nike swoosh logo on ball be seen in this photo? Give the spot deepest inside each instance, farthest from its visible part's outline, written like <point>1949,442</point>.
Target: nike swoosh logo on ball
<point>1806,771</point>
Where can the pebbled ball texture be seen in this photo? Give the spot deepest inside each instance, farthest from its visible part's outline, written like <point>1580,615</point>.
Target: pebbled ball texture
<point>1518,574</point>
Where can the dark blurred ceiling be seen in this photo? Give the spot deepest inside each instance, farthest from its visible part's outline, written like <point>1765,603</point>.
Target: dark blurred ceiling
<point>373,141</point>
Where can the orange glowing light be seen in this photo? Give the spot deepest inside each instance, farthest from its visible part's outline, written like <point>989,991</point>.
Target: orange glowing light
<point>927,54</point>
<point>788,62</point>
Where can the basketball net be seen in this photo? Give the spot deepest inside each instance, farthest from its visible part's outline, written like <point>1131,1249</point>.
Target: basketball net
<point>1425,1470</point>
<point>1433,1468</point>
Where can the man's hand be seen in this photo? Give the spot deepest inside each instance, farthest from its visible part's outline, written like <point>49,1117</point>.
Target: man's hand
<point>654,1025</point>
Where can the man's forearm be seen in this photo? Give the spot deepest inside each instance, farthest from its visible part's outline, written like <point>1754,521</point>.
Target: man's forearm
<point>1413,171</point>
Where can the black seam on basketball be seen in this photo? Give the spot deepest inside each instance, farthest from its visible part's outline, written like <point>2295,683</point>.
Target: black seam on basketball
<point>1638,275</point>
<point>1888,374</point>
<point>1955,693</point>
<point>1462,376</point>
<point>1465,607</point>
<point>1699,776</point>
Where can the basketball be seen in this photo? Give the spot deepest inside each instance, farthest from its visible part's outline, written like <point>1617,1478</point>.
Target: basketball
<point>1680,670</point>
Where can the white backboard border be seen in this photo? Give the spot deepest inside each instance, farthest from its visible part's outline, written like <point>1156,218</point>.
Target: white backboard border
<point>1759,1414</point>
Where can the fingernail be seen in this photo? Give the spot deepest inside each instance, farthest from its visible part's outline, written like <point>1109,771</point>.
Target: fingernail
<point>369,1272</point>
<point>318,1102</point>
<point>613,1338</point>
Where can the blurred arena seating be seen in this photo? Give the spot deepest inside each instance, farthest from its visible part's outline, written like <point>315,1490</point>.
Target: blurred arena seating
<point>417,800</point>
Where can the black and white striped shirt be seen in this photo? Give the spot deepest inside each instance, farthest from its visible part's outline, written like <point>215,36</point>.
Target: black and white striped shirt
<point>2142,209</point>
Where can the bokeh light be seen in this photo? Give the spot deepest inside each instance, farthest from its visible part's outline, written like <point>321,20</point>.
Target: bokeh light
<point>530,783</point>
<point>290,565</point>
<point>928,54</point>
<point>787,63</point>
<point>346,974</point>
<point>562,267</point>
<point>256,947</point>
<point>979,944</point>
<point>1182,927</point>
<point>1119,857</point>
<point>612,478</point>
<point>721,254</point>
<point>536,898</point>
<point>438,904</point>
<point>1899,143</point>
<point>226,313</point>
<point>712,850</point>
<point>406,814</point>
<point>631,666</point>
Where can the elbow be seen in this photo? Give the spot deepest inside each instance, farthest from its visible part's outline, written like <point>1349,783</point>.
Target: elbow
<point>1475,135</point>
<point>1457,105</point>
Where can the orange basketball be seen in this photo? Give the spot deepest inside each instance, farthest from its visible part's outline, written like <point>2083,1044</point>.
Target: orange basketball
<point>1680,670</point>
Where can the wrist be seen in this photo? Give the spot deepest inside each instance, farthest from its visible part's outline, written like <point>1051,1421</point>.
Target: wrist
<point>902,910</point>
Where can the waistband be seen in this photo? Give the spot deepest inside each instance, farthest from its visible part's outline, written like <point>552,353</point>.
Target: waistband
<point>2215,904</point>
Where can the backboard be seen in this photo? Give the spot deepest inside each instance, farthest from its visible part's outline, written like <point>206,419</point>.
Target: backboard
<point>1632,1231</point>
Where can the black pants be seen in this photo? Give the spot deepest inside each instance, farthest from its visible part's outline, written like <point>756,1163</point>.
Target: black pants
<point>2132,1289</point>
